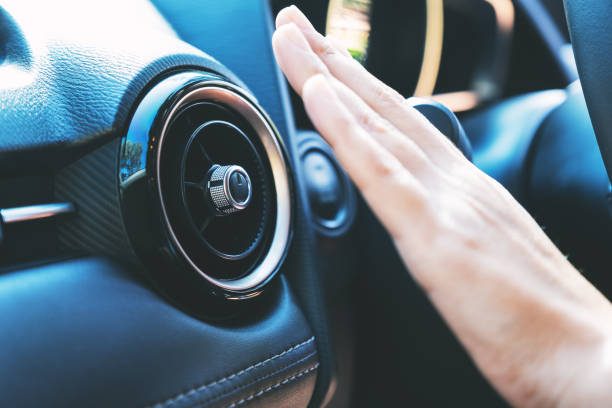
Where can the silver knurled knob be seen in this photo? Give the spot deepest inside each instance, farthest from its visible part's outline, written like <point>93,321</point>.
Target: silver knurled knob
<point>229,188</point>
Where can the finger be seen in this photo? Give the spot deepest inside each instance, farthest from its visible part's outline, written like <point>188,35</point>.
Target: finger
<point>299,64</point>
<point>295,57</point>
<point>337,44</point>
<point>393,193</point>
<point>383,99</point>
<point>408,153</point>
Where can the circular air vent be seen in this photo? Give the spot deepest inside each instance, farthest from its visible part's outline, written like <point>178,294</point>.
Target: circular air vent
<point>205,148</point>
<point>220,178</point>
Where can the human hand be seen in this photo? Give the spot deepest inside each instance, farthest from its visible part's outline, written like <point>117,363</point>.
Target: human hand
<point>534,326</point>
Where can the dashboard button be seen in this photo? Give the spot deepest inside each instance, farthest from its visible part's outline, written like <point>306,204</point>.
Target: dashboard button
<point>323,185</point>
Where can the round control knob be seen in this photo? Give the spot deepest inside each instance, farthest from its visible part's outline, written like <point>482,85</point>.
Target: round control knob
<point>229,189</point>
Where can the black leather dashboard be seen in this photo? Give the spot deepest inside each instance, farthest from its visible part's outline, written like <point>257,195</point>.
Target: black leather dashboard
<point>79,95</point>
<point>87,333</point>
<point>91,331</point>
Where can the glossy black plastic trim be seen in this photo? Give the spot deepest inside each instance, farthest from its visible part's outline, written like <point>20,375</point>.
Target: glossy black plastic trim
<point>310,141</point>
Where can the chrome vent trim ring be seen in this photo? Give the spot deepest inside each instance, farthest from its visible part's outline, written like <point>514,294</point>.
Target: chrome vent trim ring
<point>227,94</point>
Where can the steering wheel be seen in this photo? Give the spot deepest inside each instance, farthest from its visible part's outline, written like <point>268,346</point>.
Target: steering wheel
<point>588,22</point>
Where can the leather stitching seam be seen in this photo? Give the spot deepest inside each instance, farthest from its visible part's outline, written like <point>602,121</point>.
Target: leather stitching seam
<point>201,388</point>
<point>213,399</point>
<point>273,387</point>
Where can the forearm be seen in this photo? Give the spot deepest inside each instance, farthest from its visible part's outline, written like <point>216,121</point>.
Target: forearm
<point>534,326</point>
<point>536,351</point>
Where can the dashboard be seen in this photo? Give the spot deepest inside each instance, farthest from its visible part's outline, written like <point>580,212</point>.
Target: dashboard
<point>174,232</point>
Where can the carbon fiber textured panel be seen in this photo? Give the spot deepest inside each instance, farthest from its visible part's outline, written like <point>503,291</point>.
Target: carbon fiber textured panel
<point>91,184</point>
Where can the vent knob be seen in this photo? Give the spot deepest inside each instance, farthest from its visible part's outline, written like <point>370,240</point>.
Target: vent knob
<point>229,189</point>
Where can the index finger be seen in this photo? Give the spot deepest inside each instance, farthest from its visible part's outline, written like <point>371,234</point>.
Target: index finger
<point>393,193</point>
<point>383,99</point>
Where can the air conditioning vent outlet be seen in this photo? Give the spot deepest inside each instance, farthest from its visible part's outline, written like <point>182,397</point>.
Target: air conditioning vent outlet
<point>220,184</point>
<point>203,136</point>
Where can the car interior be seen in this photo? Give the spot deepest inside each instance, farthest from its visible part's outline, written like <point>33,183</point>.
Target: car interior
<point>175,233</point>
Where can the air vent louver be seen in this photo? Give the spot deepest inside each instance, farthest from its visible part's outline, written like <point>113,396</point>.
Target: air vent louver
<point>220,185</point>
<point>202,137</point>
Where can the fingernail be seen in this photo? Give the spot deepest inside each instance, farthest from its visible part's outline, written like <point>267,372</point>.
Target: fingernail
<point>281,18</point>
<point>292,33</point>
<point>298,17</point>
